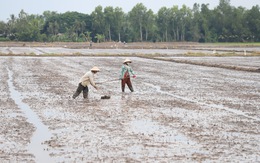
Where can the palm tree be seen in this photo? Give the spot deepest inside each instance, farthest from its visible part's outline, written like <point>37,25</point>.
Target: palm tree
<point>88,37</point>
<point>100,37</point>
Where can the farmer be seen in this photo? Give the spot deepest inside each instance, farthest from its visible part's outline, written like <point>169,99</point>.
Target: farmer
<point>126,70</point>
<point>85,81</point>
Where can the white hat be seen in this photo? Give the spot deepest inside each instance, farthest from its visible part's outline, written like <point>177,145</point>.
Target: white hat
<point>127,60</point>
<point>95,69</point>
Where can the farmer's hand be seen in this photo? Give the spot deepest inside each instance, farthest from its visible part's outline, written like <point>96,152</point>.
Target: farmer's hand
<point>134,76</point>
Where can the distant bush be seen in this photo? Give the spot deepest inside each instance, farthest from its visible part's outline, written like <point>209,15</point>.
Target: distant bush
<point>4,39</point>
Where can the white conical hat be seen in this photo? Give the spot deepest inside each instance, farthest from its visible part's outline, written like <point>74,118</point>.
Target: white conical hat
<point>127,60</point>
<point>95,68</point>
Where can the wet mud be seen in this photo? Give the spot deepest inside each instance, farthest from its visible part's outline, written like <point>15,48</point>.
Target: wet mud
<point>178,112</point>
<point>244,63</point>
<point>116,49</point>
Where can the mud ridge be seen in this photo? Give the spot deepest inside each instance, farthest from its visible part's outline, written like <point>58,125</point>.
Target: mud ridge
<point>231,67</point>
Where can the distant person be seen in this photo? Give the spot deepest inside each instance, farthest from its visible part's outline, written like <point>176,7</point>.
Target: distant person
<point>85,81</point>
<point>125,75</point>
<point>90,44</point>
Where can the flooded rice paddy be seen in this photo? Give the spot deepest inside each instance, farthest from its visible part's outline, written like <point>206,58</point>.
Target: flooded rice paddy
<point>171,51</point>
<point>178,112</point>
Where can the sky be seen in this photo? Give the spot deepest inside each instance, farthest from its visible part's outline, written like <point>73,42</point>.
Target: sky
<point>8,7</point>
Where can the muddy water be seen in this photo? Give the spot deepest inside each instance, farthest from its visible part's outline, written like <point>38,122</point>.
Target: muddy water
<point>60,50</point>
<point>41,134</point>
<point>234,61</point>
<point>149,127</point>
<point>235,111</point>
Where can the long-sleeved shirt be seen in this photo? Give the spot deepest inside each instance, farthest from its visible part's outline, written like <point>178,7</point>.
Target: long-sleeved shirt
<point>87,79</point>
<point>125,71</point>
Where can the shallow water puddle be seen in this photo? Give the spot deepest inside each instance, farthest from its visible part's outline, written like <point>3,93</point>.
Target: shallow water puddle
<point>160,133</point>
<point>238,112</point>
<point>165,141</point>
<point>144,126</point>
<point>41,134</point>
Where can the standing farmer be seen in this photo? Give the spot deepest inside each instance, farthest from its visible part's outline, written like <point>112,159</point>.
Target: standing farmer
<point>126,70</point>
<point>85,81</point>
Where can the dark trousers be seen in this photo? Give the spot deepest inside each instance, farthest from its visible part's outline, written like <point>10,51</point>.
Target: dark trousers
<point>129,84</point>
<point>79,90</point>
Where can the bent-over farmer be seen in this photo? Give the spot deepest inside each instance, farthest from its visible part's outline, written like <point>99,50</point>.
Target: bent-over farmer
<point>126,70</point>
<point>85,81</point>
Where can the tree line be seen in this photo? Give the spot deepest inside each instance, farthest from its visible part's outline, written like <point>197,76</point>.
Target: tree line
<point>224,23</point>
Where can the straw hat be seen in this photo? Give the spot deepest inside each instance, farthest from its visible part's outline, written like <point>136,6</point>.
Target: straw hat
<point>127,61</point>
<point>95,69</point>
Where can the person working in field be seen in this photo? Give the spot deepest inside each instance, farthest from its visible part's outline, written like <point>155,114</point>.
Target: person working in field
<point>85,81</point>
<point>125,72</point>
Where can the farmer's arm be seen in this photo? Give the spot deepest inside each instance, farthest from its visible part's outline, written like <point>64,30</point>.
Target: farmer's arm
<point>91,80</point>
<point>131,71</point>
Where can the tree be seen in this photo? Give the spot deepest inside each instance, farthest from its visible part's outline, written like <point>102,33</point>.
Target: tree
<point>98,20</point>
<point>185,18</point>
<point>206,22</point>
<point>237,25</point>
<point>53,28</point>
<point>78,28</point>
<point>224,23</point>
<point>173,22</point>
<point>118,21</point>
<point>11,27</point>
<point>49,14</point>
<point>128,33</point>
<point>222,16</point>
<point>109,20</point>
<point>2,28</point>
<point>163,21</point>
<point>195,24</point>
<point>100,37</point>
<point>88,37</point>
<point>252,19</point>
<point>149,23</point>
<point>28,27</point>
<point>137,16</point>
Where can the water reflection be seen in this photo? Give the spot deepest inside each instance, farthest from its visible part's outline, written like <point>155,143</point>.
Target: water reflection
<point>41,134</point>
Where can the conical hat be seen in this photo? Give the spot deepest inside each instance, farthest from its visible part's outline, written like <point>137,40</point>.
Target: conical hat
<point>127,61</point>
<point>95,68</point>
